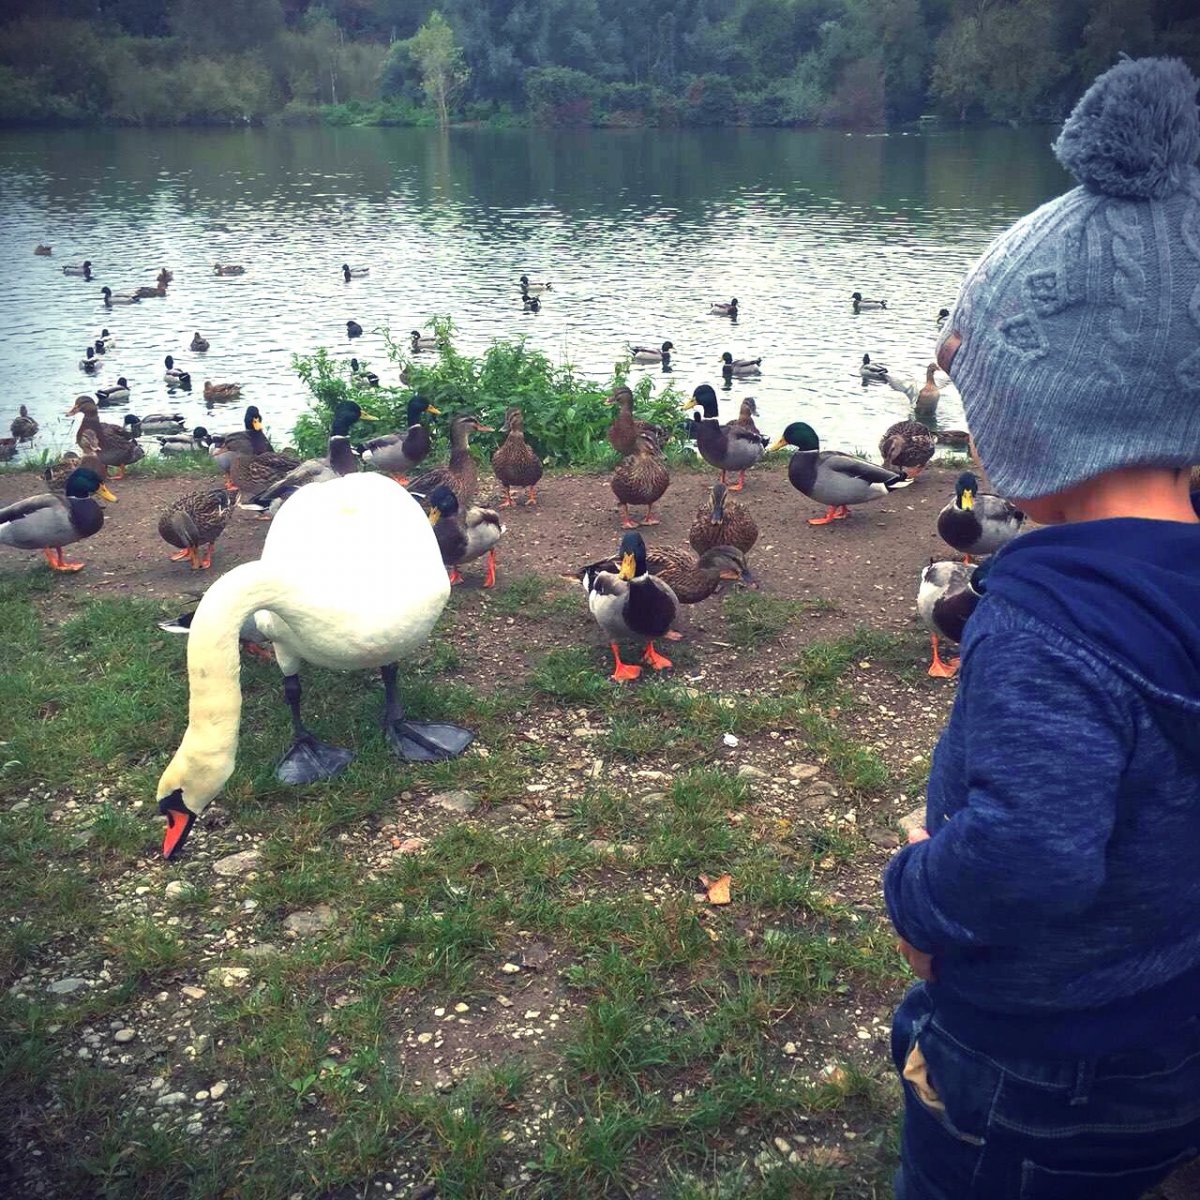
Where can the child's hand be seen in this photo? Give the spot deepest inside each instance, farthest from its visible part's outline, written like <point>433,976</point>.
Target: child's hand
<point>918,835</point>
<point>920,962</point>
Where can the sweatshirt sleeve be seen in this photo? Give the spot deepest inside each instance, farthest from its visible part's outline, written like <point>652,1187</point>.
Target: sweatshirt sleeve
<point>1046,743</point>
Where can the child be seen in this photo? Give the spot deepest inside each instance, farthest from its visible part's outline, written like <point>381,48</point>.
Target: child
<point>1053,909</point>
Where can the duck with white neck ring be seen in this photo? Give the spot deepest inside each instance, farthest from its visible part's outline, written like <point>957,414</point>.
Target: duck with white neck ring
<point>324,592</point>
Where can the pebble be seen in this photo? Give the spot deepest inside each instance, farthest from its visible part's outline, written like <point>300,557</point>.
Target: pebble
<point>456,802</point>
<point>218,1089</point>
<point>746,771</point>
<point>803,771</point>
<point>227,976</point>
<point>783,1146</point>
<point>510,968</point>
<point>306,922</point>
<point>193,993</point>
<point>408,845</point>
<point>124,1035</point>
<point>424,1038</point>
<point>64,987</point>
<point>236,864</point>
<point>460,1007</point>
<point>912,821</point>
<point>194,1128</point>
<point>790,1048</point>
<point>176,889</point>
<point>170,1099</point>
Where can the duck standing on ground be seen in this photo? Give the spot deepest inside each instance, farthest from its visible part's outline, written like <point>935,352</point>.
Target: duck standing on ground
<point>57,474</point>
<point>641,478</point>
<point>860,302</point>
<point>872,372</point>
<point>728,447</point>
<point>48,522</point>
<point>739,368</point>
<point>647,354</point>
<point>744,422</point>
<point>460,474</point>
<point>198,344</point>
<point>722,309</point>
<point>8,449</point>
<point>722,522</point>
<point>396,454</point>
<point>833,479</point>
<point>976,523</point>
<point>24,427</point>
<point>630,605</point>
<point>323,593</point>
<point>907,447</point>
<point>464,537</point>
<point>194,521</point>
<point>174,377</point>
<point>117,446</point>
<point>515,463</point>
<point>945,599</point>
<point>625,428</point>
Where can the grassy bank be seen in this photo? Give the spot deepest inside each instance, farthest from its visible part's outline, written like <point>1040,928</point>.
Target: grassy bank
<point>534,997</point>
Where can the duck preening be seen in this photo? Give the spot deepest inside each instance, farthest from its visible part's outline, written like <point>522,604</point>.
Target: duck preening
<point>976,523</point>
<point>50,522</point>
<point>515,463</point>
<point>833,479</point>
<point>396,454</point>
<point>946,598</point>
<point>322,593</point>
<point>907,447</point>
<point>862,302</point>
<point>730,447</point>
<point>464,537</point>
<point>630,604</point>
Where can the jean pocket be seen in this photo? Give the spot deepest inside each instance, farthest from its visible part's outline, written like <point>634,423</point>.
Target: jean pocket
<point>1053,1183</point>
<point>955,1094</point>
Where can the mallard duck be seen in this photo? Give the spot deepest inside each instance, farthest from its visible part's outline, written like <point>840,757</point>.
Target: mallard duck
<point>943,313</point>
<point>945,599</point>
<point>155,423</point>
<point>184,443</point>
<point>464,537</point>
<point>833,479</point>
<point>194,521</point>
<point>872,372</point>
<point>361,376</point>
<point>976,523</point>
<point>353,329</point>
<point>740,368</point>
<point>44,251</point>
<point>349,272</point>
<point>745,419</point>
<point>57,474</point>
<point>322,592</point>
<point>722,522</point>
<point>109,397</point>
<point>146,292</point>
<point>174,377</point>
<point>250,439</point>
<point>48,523</point>
<point>630,604</point>
<point>422,342</point>
<point>8,449</point>
<point>907,447</point>
<point>339,460</point>
<point>396,454</point>
<point>252,474</point>
<point>640,478</point>
<point>721,309</point>
<point>861,302</point>
<point>24,427</point>
<point>228,269</point>
<point>535,289</point>
<point>84,268</point>
<point>250,638</point>
<point>117,446</point>
<point>692,579</point>
<point>111,297</point>
<point>626,428</point>
<point>515,463</point>
<point>106,339</point>
<point>98,347</point>
<point>929,395</point>
<point>531,304</point>
<point>217,392</point>
<point>164,277</point>
<point>89,363</point>
<point>647,354</point>
<point>728,447</point>
<point>460,473</point>
<point>960,439</point>
<point>198,344</point>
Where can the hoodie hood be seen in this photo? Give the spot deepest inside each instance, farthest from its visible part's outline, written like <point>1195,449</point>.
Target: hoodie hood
<point>1128,588</point>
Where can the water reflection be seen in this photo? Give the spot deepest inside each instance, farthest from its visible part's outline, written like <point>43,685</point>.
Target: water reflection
<point>640,232</point>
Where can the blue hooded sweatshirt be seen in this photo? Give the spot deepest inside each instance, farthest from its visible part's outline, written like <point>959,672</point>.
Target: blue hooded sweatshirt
<point>1059,892</point>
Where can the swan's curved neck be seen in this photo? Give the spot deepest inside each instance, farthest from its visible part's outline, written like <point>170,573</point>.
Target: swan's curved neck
<point>206,756</point>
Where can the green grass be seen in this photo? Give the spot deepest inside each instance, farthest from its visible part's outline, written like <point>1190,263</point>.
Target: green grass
<point>674,1010</point>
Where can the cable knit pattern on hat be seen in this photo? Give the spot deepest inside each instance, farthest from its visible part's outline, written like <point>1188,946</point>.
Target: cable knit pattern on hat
<point>1080,325</point>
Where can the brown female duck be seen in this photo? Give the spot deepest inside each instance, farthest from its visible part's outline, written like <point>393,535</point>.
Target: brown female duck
<point>640,478</point>
<point>194,521</point>
<point>117,446</point>
<point>460,474</point>
<point>907,447</point>
<point>515,463</point>
<point>625,428</point>
<point>722,522</point>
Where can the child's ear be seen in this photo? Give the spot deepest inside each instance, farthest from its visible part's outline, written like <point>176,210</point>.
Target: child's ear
<point>947,349</point>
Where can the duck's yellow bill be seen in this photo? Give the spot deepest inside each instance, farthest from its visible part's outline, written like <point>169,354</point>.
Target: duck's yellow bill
<point>628,567</point>
<point>777,444</point>
<point>105,494</point>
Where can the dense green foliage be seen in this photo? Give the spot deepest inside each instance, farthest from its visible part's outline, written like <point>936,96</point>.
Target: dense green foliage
<point>858,63</point>
<point>566,415</point>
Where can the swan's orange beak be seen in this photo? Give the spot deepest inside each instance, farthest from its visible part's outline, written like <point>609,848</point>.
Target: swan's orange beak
<point>180,820</point>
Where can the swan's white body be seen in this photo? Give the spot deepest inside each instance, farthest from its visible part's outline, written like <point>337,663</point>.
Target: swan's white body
<point>350,577</point>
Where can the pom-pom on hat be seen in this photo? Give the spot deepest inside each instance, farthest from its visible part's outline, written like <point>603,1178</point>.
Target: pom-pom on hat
<point>1080,325</point>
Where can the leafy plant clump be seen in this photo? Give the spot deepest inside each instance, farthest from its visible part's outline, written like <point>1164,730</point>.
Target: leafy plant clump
<point>566,415</point>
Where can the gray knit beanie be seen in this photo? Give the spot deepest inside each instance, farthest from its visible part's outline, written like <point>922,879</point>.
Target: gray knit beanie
<point>1080,325</point>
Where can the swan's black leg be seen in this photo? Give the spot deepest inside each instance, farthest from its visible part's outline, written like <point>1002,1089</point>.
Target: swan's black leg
<point>307,759</point>
<point>418,741</point>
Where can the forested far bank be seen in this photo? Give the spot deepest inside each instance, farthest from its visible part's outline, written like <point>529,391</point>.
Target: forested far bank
<point>852,63</point>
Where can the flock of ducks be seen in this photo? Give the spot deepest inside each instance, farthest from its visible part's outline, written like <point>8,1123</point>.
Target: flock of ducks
<point>323,593</point>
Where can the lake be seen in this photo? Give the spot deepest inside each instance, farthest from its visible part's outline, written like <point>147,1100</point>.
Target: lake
<point>639,232</point>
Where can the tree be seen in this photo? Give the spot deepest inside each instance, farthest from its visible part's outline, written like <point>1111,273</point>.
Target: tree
<point>440,61</point>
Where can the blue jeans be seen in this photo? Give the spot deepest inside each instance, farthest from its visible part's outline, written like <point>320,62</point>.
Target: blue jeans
<point>1007,1127</point>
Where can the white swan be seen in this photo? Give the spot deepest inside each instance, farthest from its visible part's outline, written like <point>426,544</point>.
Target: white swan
<point>350,578</point>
